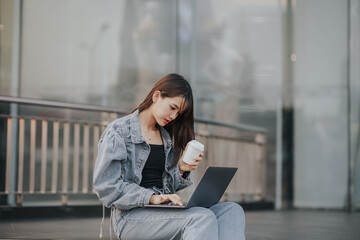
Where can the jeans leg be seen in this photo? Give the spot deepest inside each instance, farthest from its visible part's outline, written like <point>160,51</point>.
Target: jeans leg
<point>147,223</point>
<point>231,220</point>
<point>201,224</point>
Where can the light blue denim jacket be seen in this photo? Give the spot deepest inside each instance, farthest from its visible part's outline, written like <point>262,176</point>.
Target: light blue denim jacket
<point>122,154</point>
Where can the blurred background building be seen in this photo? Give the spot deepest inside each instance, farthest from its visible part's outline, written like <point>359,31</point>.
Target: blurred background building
<point>284,71</point>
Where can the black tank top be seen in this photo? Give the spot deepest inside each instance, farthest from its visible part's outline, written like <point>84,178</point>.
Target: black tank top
<point>154,167</point>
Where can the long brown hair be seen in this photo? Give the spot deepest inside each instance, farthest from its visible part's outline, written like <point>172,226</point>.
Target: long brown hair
<point>180,129</point>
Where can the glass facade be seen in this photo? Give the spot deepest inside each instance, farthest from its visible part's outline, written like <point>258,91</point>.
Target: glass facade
<point>235,72</point>
<point>354,99</point>
<point>320,100</point>
<point>236,55</point>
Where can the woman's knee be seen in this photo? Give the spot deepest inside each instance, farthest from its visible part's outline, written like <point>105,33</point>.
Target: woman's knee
<point>203,214</point>
<point>237,208</point>
<point>233,209</point>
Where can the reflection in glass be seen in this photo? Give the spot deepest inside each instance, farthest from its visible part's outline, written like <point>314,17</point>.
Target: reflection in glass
<point>231,54</point>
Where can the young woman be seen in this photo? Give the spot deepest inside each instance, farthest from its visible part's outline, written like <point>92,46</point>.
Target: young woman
<point>139,162</point>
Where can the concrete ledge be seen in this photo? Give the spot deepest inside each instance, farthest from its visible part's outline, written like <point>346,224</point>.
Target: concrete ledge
<point>20,213</point>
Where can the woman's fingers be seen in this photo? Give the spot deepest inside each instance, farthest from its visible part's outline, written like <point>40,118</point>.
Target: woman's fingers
<point>198,159</point>
<point>172,198</point>
<point>195,164</point>
<point>176,199</point>
<point>185,167</point>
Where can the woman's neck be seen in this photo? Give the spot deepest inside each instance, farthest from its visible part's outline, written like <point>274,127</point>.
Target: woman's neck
<point>147,120</point>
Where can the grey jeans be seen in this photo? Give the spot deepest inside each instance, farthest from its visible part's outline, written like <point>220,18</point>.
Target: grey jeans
<point>223,221</point>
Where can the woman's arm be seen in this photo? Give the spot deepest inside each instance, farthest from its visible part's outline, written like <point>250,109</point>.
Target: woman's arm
<point>108,183</point>
<point>182,172</point>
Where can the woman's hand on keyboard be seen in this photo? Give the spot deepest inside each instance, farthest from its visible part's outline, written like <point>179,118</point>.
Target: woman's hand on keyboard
<point>166,198</point>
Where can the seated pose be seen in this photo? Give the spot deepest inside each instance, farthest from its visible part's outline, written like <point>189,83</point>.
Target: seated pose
<point>140,162</point>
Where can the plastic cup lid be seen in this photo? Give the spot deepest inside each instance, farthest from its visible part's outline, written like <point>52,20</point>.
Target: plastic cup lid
<point>196,144</point>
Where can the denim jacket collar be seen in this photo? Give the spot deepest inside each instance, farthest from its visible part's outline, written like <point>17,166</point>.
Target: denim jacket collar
<point>135,130</point>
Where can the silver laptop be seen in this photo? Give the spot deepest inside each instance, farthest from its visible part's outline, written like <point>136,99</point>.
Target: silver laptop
<point>210,189</point>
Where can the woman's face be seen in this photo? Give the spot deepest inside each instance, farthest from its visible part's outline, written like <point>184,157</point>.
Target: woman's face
<point>166,109</point>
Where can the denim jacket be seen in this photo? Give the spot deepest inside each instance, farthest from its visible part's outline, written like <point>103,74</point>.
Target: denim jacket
<point>122,154</point>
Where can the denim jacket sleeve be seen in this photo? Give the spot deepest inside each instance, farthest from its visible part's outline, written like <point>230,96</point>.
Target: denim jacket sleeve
<point>181,181</point>
<point>108,180</point>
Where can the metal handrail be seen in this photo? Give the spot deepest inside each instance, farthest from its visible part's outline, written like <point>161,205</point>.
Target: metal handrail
<point>78,148</point>
<point>85,107</point>
<point>245,127</point>
<point>47,103</point>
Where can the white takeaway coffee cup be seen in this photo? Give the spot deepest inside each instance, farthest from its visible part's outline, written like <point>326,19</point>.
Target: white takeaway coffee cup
<point>194,148</point>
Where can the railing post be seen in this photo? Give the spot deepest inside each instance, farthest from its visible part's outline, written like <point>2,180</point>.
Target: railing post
<point>8,155</point>
<point>105,120</point>
<point>19,198</point>
<point>55,157</point>
<point>44,135</point>
<point>76,147</point>
<point>65,163</point>
<point>64,198</point>
<point>95,142</point>
<point>32,155</point>
<point>21,161</point>
<point>11,164</point>
<point>86,159</point>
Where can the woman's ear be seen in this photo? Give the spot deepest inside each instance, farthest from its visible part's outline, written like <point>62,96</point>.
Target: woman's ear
<point>156,96</point>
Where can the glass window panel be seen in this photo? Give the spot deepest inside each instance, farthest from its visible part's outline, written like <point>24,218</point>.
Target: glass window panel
<point>107,53</point>
<point>355,96</point>
<point>231,52</point>
<point>320,103</point>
